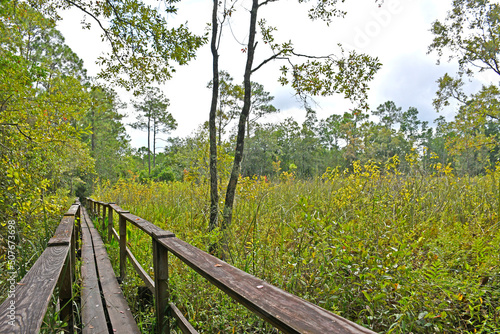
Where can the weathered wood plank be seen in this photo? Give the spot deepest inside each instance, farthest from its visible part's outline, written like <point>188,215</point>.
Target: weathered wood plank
<point>115,207</point>
<point>110,222</point>
<point>66,292</point>
<point>72,210</point>
<point>120,316</point>
<point>64,232</point>
<point>160,266</point>
<point>103,229</point>
<point>148,227</point>
<point>285,311</point>
<point>182,322</point>
<point>122,225</point>
<point>93,317</point>
<point>33,293</point>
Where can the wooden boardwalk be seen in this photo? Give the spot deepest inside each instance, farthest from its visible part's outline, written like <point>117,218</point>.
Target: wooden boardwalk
<point>98,280</point>
<point>103,306</point>
<point>104,309</point>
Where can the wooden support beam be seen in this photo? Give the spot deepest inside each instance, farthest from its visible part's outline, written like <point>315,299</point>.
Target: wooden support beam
<point>160,265</point>
<point>66,293</point>
<point>123,247</point>
<point>110,222</point>
<point>103,220</point>
<point>181,321</point>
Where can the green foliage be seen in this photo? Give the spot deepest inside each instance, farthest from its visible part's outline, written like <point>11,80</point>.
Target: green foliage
<point>143,46</point>
<point>43,99</point>
<point>471,33</point>
<point>106,137</point>
<point>348,75</point>
<point>154,118</point>
<point>230,96</point>
<point>160,173</point>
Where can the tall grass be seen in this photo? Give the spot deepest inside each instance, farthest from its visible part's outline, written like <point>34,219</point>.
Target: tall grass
<point>396,253</point>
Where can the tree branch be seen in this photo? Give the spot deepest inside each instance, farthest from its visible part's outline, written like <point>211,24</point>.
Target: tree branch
<point>106,32</point>
<point>18,129</point>
<point>273,57</point>
<point>312,57</point>
<point>266,2</point>
<point>5,101</point>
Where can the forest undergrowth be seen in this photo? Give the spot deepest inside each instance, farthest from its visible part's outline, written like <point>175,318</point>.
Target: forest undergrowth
<point>396,253</point>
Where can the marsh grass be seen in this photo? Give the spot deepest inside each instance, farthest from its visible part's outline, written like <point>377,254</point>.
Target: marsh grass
<point>395,253</point>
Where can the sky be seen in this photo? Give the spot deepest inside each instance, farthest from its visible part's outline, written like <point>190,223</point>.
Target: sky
<point>396,32</point>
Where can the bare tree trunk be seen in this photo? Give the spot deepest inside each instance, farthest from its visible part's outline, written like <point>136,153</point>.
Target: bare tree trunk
<point>149,146</point>
<point>92,137</point>
<point>240,139</point>
<point>154,143</point>
<point>214,194</point>
<point>248,127</point>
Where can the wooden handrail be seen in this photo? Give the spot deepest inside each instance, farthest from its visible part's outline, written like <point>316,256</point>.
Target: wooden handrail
<point>24,309</point>
<point>283,310</point>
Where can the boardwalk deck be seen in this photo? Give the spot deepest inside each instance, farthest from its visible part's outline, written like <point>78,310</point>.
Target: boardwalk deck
<point>97,268</point>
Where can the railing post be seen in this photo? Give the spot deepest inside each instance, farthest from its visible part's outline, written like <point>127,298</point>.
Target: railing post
<point>66,292</point>
<point>110,222</point>
<point>72,249</point>
<point>98,211</point>
<point>160,266</point>
<point>77,228</point>
<point>103,220</point>
<point>123,245</point>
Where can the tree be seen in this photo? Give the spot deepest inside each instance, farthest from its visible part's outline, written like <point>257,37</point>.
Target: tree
<point>42,106</point>
<point>307,153</point>
<point>410,125</point>
<point>348,75</point>
<point>470,33</point>
<point>260,106</point>
<point>330,132</point>
<point>143,46</point>
<point>470,138</point>
<point>261,151</point>
<point>228,101</point>
<point>388,113</point>
<point>215,40</point>
<point>109,142</point>
<point>351,127</point>
<point>154,118</point>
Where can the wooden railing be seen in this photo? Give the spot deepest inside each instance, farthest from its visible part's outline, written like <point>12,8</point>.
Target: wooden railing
<point>283,310</point>
<point>24,309</point>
